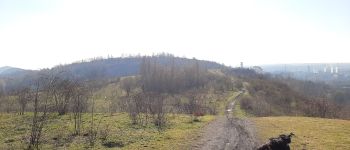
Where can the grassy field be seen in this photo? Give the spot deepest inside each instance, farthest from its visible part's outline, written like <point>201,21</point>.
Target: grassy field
<point>14,132</point>
<point>311,133</point>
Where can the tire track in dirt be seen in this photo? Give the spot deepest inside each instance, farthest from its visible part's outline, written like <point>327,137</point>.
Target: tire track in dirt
<point>227,133</point>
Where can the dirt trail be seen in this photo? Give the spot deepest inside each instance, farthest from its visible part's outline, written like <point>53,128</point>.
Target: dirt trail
<point>227,133</point>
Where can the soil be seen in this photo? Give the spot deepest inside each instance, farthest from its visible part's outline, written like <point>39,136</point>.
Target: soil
<point>227,133</point>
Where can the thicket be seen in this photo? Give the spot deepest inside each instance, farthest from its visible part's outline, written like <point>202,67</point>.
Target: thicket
<point>274,95</point>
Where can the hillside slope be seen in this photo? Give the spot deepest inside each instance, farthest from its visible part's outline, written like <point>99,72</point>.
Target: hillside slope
<point>269,95</point>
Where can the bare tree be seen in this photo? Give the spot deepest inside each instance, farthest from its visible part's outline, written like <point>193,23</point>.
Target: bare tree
<point>132,108</point>
<point>63,92</point>
<point>128,83</point>
<point>160,81</point>
<point>9,103</point>
<point>159,112</point>
<point>5,103</point>
<point>193,107</point>
<point>93,131</point>
<point>79,105</point>
<point>138,108</point>
<point>2,93</point>
<point>41,109</point>
<point>322,108</point>
<point>24,96</point>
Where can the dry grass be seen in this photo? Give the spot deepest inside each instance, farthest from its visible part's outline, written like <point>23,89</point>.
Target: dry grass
<point>311,133</point>
<point>179,134</point>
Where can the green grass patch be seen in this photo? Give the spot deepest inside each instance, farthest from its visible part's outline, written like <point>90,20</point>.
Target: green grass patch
<point>311,133</point>
<point>179,134</point>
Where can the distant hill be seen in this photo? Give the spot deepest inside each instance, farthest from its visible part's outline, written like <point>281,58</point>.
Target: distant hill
<point>118,67</point>
<point>5,71</point>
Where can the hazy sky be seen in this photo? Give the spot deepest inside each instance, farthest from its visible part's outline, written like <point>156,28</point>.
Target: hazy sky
<point>42,33</point>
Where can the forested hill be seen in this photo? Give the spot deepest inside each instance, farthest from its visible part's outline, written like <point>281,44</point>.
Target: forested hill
<point>7,71</point>
<point>118,67</point>
<point>103,68</point>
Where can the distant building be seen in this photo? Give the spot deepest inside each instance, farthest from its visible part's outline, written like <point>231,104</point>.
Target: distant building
<point>332,70</point>
<point>336,70</point>
<point>241,64</point>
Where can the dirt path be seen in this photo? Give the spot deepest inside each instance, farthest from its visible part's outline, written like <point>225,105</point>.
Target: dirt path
<point>227,133</point>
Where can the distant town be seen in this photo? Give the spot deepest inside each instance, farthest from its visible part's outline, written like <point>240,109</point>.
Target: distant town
<point>320,72</point>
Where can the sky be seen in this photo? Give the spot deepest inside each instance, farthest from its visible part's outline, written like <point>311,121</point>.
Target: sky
<point>38,34</point>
